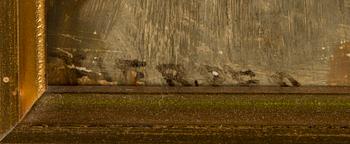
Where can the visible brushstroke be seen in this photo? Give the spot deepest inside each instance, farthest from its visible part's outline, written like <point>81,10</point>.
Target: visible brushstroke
<point>263,36</point>
<point>244,77</point>
<point>284,80</point>
<point>132,71</point>
<point>340,65</point>
<point>216,75</point>
<point>173,73</point>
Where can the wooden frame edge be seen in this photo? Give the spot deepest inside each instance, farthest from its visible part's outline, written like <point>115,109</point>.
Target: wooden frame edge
<point>9,104</point>
<point>22,69</point>
<point>199,90</point>
<point>24,66</point>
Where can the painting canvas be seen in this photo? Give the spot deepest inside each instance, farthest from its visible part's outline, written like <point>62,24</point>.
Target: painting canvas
<point>199,42</point>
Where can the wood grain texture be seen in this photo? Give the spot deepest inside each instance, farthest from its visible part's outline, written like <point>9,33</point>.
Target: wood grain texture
<point>9,105</point>
<point>186,118</point>
<point>304,39</point>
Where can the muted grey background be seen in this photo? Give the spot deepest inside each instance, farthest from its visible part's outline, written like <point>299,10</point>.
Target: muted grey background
<point>307,39</point>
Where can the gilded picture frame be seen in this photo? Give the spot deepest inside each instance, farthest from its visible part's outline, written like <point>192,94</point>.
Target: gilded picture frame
<point>210,113</point>
<point>23,83</point>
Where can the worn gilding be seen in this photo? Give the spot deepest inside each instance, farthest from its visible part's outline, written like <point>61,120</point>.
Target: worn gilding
<point>9,115</point>
<point>32,52</point>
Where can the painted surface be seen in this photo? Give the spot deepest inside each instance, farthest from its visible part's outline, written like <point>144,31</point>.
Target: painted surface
<point>199,42</point>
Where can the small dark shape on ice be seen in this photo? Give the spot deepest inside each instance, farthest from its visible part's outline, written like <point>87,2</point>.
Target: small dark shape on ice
<point>123,64</point>
<point>249,83</point>
<point>196,83</point>
<point>170,82</point>
<point>282,79</point>
<point>248,72</point>
<point>244,78</point>
<point>173,73</point>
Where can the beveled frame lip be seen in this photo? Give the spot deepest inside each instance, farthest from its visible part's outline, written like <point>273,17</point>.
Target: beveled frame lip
<point>200,90</point>
<point>37,29</point>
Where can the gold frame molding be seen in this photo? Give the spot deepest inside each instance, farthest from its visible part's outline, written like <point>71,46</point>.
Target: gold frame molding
<point>31,52</point>
<point>22,73</point>
<point>9,98</point>
<point>23,58</point>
